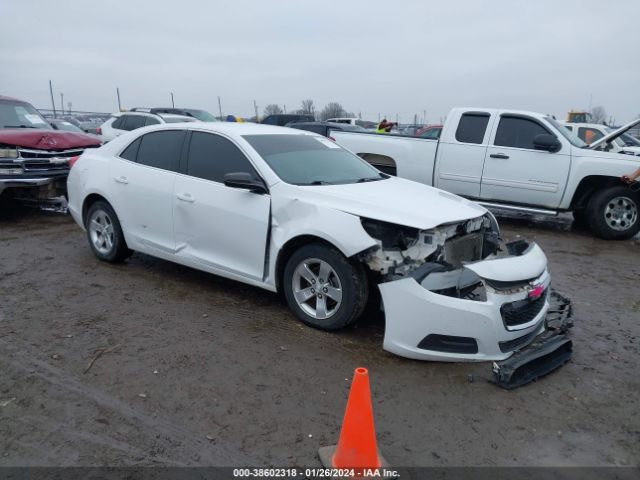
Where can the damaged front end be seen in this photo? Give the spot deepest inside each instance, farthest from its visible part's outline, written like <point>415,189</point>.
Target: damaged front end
<point>453,293</point>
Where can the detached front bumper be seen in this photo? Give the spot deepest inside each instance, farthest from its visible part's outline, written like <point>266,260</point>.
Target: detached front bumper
<point>425,325</point>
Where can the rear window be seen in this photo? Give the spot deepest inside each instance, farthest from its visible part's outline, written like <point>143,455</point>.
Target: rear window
<point>161,149</point>
<point>472,127</point>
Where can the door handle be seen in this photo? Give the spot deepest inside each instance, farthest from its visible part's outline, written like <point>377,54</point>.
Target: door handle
<point>185,197</point>
<point>501,156</point>
<point>122,180</point>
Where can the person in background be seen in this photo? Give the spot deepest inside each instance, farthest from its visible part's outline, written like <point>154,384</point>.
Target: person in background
<point>631,177</point>
<point>384,126</point>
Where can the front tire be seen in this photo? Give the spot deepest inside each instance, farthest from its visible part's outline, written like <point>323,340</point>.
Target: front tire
<point>614,213</point>
<point>105,234</point>
<point>323,288</point>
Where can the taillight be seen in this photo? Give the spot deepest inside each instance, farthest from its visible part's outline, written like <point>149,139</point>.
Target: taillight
<point>99,131</point>
<point>331,138</point>
<point>72,161</point>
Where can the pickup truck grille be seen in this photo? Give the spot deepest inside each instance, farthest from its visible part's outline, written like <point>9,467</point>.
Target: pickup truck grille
<point>29,153</point>
<point>522,311</point>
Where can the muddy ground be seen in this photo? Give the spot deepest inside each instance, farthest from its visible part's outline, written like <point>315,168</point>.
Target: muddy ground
<point>151,363</point>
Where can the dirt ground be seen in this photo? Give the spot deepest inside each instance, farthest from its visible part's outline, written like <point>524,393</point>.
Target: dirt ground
<point>151,363</point>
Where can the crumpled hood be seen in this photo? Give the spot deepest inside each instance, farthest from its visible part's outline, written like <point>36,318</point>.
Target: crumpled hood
<point>394,200</point>
<point>46,139</point>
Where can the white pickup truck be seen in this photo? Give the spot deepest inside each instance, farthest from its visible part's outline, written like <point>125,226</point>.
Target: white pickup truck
<point>513,160</point>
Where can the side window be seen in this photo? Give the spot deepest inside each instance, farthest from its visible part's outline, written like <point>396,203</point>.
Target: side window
<point>211,157</point>
<point>569,127</point>
<point>472,127</point>
<point>270,120</point>
<point>161,149</point>
<point>133,121</point>
<point>131,152</point>
<point>517,132</point>
<point>117,123</point>
<point>151,121</point>
<point>589,135</point>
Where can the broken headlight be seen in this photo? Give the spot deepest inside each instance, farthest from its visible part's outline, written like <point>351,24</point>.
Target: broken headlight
<point>390,234</point>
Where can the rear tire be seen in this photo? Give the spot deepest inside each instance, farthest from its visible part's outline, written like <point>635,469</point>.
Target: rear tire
<point>105,234</point>
<point>614,213</point>
<point>323,288</point>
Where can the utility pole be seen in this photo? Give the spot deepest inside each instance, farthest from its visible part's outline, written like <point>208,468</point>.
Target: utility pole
<point>285,109</point>
<point>172,104</point>
<point>424,117</point>
<point>53,104</point>
<point>255,107</point>
<point>69,107</point>
<point>118,94</point>
<point>62,103</point>
<point>220,107</point>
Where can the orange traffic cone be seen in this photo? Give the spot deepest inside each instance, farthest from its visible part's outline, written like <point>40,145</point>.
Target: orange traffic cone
<point>357,446</point>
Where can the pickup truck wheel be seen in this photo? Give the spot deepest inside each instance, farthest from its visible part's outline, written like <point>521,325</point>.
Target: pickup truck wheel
<point>323,288</point>
<point>105,234</point>
<point>614,213</point>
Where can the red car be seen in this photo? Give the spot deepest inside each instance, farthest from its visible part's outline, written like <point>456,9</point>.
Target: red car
<point>34,158</point>
<point>430,131</point>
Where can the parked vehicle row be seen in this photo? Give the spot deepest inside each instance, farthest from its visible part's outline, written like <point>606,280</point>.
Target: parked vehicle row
<point>515,160</point>
<point>121,122</point>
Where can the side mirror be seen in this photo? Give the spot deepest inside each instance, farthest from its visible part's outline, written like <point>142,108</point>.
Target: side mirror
<point>245,181</point>
<point>547,142</point>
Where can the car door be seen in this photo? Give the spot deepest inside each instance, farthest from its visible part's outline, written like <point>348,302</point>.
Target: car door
<point>217,226</point>
<point>144,175</point>
<point>460,155</point>
<point>515,172</point>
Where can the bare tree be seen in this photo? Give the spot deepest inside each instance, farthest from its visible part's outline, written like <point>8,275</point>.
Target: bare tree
<point>272,109</point>
<point>598,114</point>
<point>332,110</point>
<point>308,108</point>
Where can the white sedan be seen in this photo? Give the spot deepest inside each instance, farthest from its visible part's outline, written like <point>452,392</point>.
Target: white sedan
<point>291,211</point>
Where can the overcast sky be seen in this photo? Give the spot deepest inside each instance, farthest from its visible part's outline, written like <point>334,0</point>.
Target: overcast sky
<point>374,57</point>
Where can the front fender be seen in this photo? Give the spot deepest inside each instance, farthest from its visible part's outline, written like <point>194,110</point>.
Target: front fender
<point>293,217</point>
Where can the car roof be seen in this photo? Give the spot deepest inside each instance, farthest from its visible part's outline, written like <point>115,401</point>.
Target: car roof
<point>2,97</point>
<point>233,129</point>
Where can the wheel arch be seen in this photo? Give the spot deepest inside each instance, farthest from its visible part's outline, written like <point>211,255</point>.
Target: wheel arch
<point>588,186</point>
<point>290,247</point>
<point>384,163</point>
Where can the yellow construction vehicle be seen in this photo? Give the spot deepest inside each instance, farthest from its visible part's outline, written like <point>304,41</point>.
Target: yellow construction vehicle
<point>578,116</point>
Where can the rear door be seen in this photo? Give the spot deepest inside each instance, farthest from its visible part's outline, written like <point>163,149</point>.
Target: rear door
<point>515,172</point>
<point>144,176</point>
<point>461,154</point>
<point>215,225</point>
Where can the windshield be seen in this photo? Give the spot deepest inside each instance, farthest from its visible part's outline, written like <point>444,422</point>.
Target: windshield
<point>566,133</point>
<point>201,115</point>
<point>311,160</point>
<point>624,140</point>
<point>21,115</point>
